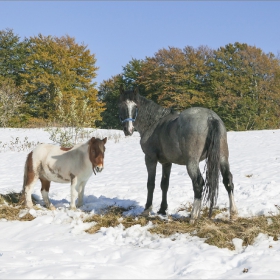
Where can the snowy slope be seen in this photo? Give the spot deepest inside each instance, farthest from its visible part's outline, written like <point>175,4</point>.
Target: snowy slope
<point>54,245</point>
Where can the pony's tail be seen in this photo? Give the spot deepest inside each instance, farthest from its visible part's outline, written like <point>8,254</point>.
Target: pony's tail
<point>212,146</point>
<point>22,196</point>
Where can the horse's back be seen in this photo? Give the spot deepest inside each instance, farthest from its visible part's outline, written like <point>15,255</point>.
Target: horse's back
<point>194,120</point>
<point>193,131</point>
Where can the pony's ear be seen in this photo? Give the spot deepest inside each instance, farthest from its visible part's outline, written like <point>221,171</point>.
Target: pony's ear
<point>92,139</point>
<point>105,140</point>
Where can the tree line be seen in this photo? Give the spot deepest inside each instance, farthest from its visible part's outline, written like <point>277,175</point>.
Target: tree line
<point>239,82</point>
<point>48,78</point>
<point>44,77</point>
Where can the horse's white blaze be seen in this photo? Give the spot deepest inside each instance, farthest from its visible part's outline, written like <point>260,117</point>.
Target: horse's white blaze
<point>196,209</point>
<point>130,105</point>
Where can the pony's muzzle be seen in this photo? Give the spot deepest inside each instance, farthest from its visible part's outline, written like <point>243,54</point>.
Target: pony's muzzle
<point>99,168</point>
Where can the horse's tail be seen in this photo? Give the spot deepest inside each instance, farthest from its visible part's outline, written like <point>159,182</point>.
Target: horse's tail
<point>212,147</point>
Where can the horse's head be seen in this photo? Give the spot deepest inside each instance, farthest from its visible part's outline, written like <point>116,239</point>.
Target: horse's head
<point>96,153</point>
<point>128,109</point>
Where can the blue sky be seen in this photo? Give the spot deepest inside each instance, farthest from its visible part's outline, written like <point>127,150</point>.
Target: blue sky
<point>117,31</point>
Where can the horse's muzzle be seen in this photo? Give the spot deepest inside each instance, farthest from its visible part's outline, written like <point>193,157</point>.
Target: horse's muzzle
<point>128,131</point>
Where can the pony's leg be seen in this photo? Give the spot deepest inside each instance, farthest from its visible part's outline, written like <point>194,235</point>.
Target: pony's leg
<point>198,183</point>
<point>81,194</point>
<point>29,180</point>
<point>74,192</point>
<point>166,168</point>
<point>45,193</point>
<point>28,190</point>
<point>227,181</point>
<point>151,165</point>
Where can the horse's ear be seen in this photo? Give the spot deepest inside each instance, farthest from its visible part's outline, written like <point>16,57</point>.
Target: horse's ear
<point>136,91</point>
<point>136,94</point>
<point>92,139</point>
<point>105,140</point>
<point>121,88</point>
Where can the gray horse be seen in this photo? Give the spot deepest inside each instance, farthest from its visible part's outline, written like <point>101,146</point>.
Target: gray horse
<point>184,138</point>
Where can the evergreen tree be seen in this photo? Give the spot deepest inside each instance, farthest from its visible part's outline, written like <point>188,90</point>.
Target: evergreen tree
<point>12,56</point>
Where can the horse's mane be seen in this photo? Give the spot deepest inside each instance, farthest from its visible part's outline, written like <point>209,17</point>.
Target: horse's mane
<point>150,114</point>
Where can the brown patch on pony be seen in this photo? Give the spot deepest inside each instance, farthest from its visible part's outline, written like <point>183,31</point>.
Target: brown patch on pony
<point>45,184</point>
<point>29,171</point>
<point>72,176</point>
<point>51,170</point>
<point>65,149</point>
<point>57,174</point>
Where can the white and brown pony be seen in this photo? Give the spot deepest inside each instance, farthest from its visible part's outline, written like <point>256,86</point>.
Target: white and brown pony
<point>63,165</point>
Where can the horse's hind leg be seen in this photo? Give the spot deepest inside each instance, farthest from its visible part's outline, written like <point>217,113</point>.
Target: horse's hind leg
<point>198,183</point>
<point>166,168</point>
<point>45,193</point>
<point>227,181</point>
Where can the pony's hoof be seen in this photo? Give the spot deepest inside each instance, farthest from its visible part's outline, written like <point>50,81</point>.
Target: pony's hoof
<point>72,208</point>
<point>192,221</point>
<point>29,205</point>
<point>233,216</point>
<point>51,207</point>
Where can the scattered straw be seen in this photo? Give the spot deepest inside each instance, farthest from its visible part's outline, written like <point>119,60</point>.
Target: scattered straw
<point>215,232</point>
<point>10,206</point>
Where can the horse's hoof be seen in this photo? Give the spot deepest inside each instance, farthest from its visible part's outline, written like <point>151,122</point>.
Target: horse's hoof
<point>73,208</point>
<point>147,211</point>
<point>162,212</point>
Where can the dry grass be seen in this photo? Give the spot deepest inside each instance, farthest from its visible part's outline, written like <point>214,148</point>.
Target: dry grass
<point>215,232</point>
<point>10,206</point>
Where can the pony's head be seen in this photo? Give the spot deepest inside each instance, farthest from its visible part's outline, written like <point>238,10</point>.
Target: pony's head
<point>96,153</point>
<point>128,109</point>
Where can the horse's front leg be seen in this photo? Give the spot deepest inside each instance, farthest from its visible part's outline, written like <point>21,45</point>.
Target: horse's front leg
<point>166,168</point>
<point>81,194</point>
<point>151,165</point>
<point>74,192</point>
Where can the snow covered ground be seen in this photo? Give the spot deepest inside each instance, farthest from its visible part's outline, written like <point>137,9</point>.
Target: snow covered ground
<point>55,245</point>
